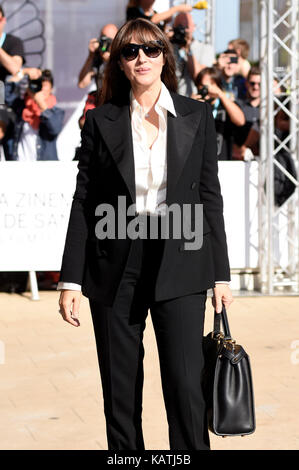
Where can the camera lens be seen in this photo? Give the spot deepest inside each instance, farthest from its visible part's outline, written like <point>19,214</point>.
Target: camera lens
<point>203,91</point>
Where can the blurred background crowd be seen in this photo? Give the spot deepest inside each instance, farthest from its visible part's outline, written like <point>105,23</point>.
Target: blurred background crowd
<point>31,119</point>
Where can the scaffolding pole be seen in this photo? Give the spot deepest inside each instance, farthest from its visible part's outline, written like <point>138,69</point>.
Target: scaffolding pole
<point>278,225</point>
<point>210,24</point>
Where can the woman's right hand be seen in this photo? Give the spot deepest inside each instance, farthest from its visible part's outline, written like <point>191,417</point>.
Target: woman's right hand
<point>69,304</point>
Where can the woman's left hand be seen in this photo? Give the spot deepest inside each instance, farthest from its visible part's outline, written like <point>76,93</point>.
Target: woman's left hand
<point>221,295</point>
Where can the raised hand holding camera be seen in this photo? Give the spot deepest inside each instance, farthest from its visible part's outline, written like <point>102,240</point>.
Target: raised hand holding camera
<point>41,100</point>
<point>93,45</point>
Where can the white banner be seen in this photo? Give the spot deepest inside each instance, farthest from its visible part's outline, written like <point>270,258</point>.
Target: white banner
<point>35,202</point>
<point>239,187</point>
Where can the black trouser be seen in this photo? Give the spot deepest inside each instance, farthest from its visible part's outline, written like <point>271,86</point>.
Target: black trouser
<point>178,325</point>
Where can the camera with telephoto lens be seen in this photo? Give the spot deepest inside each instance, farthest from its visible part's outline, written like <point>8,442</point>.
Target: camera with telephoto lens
<point>35,85</point>
<point>179,35</point>
<point>105,43</point>
<point>203,91</point>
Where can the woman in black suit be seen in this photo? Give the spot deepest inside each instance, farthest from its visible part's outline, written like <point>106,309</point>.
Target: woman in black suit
<point>155,150</point>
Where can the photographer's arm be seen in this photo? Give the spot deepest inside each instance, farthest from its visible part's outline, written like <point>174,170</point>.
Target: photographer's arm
<point>11,63</point>
<point>235,113</point>
<point>166,15</point>
<point>86,73</point>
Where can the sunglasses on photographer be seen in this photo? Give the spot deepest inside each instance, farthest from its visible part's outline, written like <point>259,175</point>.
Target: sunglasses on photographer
<point>254,83</point>
<point>151,50</point>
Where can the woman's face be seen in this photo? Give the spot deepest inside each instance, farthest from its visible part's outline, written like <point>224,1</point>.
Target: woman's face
<point>143,72</point>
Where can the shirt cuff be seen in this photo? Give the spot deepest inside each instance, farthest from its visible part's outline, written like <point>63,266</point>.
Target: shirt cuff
<point>73,286</point>
<point>68,286</point>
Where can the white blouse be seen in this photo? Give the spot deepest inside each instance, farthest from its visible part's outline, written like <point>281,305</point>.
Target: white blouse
<point>151,163</point>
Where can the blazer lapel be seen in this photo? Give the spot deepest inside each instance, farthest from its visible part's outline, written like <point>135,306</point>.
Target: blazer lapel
<point>181,132</point>
<point>115,128</point>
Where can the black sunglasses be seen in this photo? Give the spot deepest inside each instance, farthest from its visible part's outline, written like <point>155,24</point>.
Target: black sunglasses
<point>153,49</point>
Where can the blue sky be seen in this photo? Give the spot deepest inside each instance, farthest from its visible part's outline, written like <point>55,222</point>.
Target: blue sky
<point>227,22</point>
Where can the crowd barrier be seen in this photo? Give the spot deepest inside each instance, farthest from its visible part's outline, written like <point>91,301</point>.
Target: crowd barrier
<point>35,201</point>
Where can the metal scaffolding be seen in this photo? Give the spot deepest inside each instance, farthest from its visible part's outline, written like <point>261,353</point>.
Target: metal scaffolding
<point>210,23</point>
<point>278,225</point>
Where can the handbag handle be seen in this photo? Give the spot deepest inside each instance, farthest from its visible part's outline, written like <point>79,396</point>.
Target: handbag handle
<point>223,317</point>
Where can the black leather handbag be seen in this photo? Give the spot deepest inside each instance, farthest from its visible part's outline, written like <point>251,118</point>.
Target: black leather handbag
<point>227,382</point>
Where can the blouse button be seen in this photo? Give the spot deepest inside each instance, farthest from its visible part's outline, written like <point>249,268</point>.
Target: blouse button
<point>193,185</point>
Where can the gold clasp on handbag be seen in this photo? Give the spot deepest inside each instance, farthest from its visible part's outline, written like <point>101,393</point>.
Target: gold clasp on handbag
<point>231,342</point>
<point>218,337</point>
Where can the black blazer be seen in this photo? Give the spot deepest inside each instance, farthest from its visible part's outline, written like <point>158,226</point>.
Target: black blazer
<point>106,171</point>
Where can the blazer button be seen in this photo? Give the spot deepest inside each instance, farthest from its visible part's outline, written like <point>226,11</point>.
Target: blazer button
<point>103,253</point>
<point>193,185</point>
<point>181,248</point>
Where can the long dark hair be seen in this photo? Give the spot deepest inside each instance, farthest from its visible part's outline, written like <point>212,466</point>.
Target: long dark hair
<point>116,86</point>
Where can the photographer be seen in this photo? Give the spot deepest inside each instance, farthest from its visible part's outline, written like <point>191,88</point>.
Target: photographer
<point>7,121</point>
<point>242,49</point>
<point>11,60</point>
<point>97,58</point>
<point>11,51</point>
<point>94,67</point>
<point>251,109</point>
<point>227,114</point>
<point>247,140</point>
<point>38,119</point>
<point>232,82</point>
<point>191,55</point>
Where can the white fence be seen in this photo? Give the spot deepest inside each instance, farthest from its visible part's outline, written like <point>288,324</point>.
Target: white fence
<point>35,201</point>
